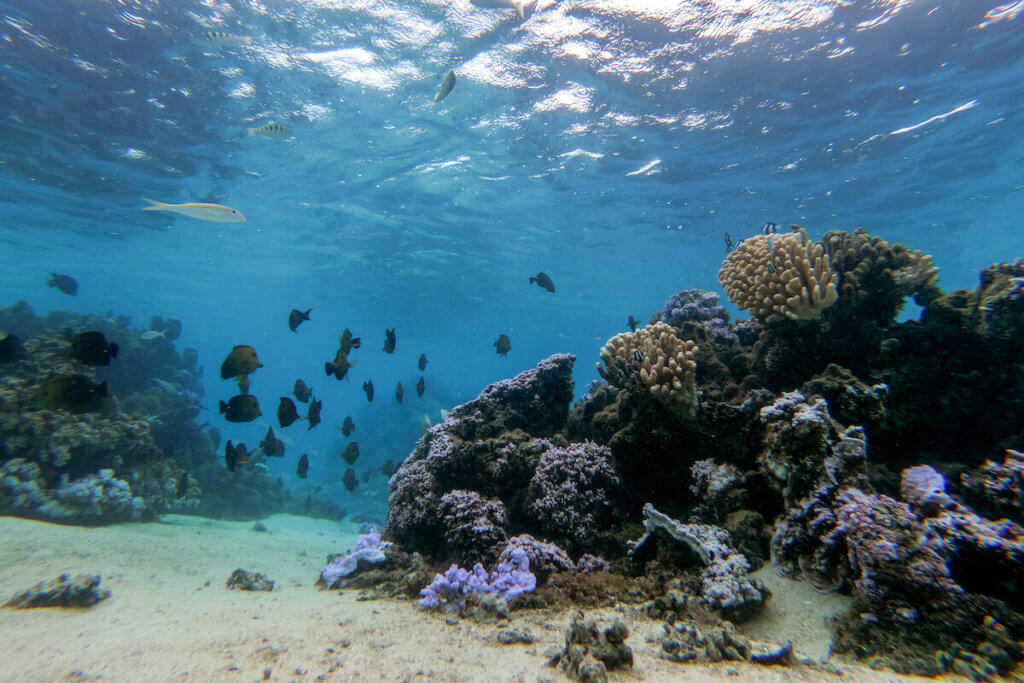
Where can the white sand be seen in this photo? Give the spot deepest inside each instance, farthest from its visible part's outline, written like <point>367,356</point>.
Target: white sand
<point>172,618</point>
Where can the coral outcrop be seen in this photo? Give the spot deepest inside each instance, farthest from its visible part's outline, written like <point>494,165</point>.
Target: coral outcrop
<point>779,277</point>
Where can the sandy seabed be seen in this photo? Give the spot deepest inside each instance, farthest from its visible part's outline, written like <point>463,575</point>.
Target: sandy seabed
<point>172,618</point>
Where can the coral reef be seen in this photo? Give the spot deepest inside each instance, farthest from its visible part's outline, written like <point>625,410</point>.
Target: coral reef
<point>998,488</point>
<point>659,360</point>
<point>369,550</point>
<point>779,277</point>
<point>241,579</point>
<point>82,591</point>
<point>454,589</point>
<point>696,306</point>
<point>591,651</point>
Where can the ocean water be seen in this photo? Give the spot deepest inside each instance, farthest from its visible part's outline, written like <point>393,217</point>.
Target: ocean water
<point>609,143</point>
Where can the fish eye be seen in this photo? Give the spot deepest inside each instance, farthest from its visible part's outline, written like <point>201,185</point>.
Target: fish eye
<point>233,211</point>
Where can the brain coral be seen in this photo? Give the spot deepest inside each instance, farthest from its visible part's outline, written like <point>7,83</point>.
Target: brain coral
<point>664,363</point>
<point>779,276</point>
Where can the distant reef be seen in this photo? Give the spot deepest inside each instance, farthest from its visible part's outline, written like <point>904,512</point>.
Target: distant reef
<point>864,454</point>
<point>130,456</point>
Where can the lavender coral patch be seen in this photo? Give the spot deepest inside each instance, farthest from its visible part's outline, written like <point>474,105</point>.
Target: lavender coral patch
<point>369,549</point>
<point>453,589</point>
<point>545,558</point>
<point>696,306</point>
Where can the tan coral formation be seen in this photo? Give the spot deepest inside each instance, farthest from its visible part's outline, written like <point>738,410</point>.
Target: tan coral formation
<point>665,364</point>
<point>866,262</point>
<point>782,276</point>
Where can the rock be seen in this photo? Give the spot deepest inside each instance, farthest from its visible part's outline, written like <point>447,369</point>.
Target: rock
<point>249,581</point>
<point>82,591</point>
<point>590,652</point>
<point>513,636</point>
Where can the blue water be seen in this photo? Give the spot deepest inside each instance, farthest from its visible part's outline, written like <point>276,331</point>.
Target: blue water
<point>602,141</point>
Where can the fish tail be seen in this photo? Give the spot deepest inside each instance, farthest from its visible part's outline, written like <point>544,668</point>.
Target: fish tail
<point>328,369</point>
<point>223,407</point>
<point>153,205</point>
<point>306,314</point>
<point>532,280</point>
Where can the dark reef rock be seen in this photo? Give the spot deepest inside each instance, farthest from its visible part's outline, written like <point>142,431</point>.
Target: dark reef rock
<point>685,642</point>
<point>591,651</point>
<point>241,579</point>
<point>81,591</point>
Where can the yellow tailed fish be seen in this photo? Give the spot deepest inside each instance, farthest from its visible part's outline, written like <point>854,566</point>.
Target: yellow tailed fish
<point>216,213</point>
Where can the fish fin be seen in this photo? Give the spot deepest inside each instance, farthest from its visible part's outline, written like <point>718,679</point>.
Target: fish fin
<point>357,342</point>
<point>113,349</point>
<point>532,280</point>
<point>328,369</point>
<point>306,314</point>
<point>153,205</point>
<point>223,407</point>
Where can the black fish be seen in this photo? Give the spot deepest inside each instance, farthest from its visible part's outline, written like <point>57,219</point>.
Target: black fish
<point>544,280</point>
<point>272,446</point>
<point>503,345</point>
<point>74,393</point>
<point>241,361</point>
<point>301,391</point>
<point>351,453</point>
<point>347,342</point>
<point>390,340</point>
<point>728,243</point>
<point>296,318</point>
<point>64,283</point>
<point>349,480</point>
<point>241,408</point>
<point>399,392</point>
<point>632,324</point>
<point>313,415</point>
<point>388,468</point>
<point>339,368</point>
<point>368,388</point>
<point>303,468</point>
<point>420,387</point>
<point>235,455</point>
<point>10,348</point>
<point>92,349</point>
<point>286,413</point>
<point>422,363</point>
<point>348,426</point>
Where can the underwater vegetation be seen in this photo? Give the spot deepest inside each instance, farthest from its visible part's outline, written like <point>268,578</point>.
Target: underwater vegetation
<point>89,441</point>
<point>853,450</point>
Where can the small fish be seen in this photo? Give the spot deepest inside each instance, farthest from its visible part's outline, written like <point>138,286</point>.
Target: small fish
<point>422,362</point>
<point>215,213</point>
<point>771,268</point>
<point>368,388</point>
<point>503,345</point>
<point>769,229</point>
<point>92,348</point>
<point>351,453</point>
<point>638,356</point>
<point>728,243</point>
<point>388,468</point>
<point>399,392</point>
<point>349,479</point>
<point>425,425</point>
<point>446,87</point>
<point>272,130</point>
<point>243,384</point>
<point>165,385</point>
<point>241,408</point>
<point>313,414</point>
<point>301,391</point>
<point>771,247</point>
<point>339,368</point>
<point>544,281</point>
<point>794,227</point>
<point>296,318</point>
<point>420,387</point>
<point>10,348</point>
<point>632,324</point>
<point>74,393</point>
<point>390,340</point>
<point>219,39</point>
<point>303,468</point>
<point>241,361</point>
<point>286,413</point>
<point>235,455</point>
<point>64,283</point>
<point>348,426</point>
<point>347,342</point>
<point>150,335</point>
<point>272,446</point>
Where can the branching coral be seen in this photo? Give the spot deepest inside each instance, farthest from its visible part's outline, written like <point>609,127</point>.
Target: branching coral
<point>776,277</point>
<point>663,362</point>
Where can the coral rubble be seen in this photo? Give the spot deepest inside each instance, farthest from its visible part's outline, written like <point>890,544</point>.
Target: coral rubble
<point>64,591</point>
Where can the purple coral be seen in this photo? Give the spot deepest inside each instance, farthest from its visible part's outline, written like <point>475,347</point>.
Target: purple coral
<point>369,549</point>
<point>451,590</point>
<point>696,306</point>
<point>545,558</point>
<point>473,527</point>
<point>570,489</point>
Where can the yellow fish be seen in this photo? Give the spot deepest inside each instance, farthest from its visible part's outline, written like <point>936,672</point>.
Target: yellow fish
<point>272,130</point>
<point>216,213</point>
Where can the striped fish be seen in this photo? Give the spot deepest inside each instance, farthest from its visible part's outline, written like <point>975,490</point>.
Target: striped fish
<point>272,130</point>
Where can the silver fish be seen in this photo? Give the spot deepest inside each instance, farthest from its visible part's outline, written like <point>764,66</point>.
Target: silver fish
<point>446,87</point>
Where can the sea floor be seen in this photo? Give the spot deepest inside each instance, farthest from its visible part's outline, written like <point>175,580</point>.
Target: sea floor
<point>172,618</point>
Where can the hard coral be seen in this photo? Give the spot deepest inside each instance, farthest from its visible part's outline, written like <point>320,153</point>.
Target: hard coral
<point>662,362</point>
<point>696,306</point>
<point>778,277</point>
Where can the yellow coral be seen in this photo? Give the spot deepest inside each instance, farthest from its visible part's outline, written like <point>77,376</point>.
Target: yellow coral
<point>665,364</point>
<point>779,276</point>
